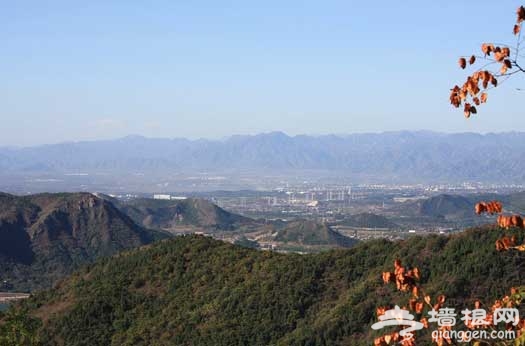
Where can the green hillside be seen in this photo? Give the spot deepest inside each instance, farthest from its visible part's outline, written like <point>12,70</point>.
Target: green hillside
<point>450,206</point>
<point>306,232</point>
<point>168,215</point>
<point>369,220</point>
<point>194,290</point>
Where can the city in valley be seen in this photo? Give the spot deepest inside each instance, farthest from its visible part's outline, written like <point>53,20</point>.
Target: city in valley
<point>359,211</point>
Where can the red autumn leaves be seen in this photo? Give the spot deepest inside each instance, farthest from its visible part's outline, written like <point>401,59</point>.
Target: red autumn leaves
<point>506,243</point>
<point>469,94</point>
<point>406,280</point>
<point>492,207</point>
<point>508,221</point>
<point>471,89</point>
<point>393,339</point>
<point>416,305</point>
<point>508,302</point>
<point>503,221</point>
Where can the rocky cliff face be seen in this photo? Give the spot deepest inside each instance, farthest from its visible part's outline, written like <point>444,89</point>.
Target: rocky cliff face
<point>44,237</point>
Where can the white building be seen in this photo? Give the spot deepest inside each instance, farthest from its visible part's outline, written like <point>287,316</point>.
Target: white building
<point>166,197</point>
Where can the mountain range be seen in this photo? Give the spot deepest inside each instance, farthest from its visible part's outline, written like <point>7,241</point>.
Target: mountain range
<point>390,156</point>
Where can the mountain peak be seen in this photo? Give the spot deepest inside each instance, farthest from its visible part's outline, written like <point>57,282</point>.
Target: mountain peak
<point>49,235</point>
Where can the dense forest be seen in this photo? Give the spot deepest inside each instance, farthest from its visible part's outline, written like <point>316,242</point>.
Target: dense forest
<point>194,290</point>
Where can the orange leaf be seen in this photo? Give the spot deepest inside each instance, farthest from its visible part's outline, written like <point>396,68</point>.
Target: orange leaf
<point>517,29</point>
<point>473,110</point>
<point>507,63</point>
<point>486,75</point>
<point>487,48</point>
<point>521,14</point>
<point>419,307</point>
<point>415,291</point>
<point>416,273</point>
<point>503,69</point>
<point>412,304</point>
<point>462,62</point>
<point>427,299</point>
<point>476,101</point>
<point>472,60</point>
<point>484,97</point>
<point>494,81</point>
<point>520,247</point>
<point>466,110</point>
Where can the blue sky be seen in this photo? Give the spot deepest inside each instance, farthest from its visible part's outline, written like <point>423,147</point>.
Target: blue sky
<point>105,69</point>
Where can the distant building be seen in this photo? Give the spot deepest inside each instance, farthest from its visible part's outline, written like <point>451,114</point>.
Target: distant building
<point>169,197</point>
<point>165,197</point>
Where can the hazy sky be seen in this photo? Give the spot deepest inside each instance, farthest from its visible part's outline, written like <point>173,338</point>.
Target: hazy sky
<point>74,70</point>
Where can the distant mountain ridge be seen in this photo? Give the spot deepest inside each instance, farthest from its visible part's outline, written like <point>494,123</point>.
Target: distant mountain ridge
<point>402,155</point>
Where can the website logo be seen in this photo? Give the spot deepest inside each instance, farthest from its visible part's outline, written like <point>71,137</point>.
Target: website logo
<point>399,317</point>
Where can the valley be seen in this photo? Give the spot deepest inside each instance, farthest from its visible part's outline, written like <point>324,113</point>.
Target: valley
<point>45,237</point>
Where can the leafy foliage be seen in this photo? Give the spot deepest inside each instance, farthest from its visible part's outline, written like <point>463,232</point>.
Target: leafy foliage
<point>407,280</point>
<point>470,94</point>
<point>18,329</point>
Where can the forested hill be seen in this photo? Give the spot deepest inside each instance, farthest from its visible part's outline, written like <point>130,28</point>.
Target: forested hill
<point>312,233</point>
<point>46,236</point>
<point>194,290</point>
<point>170,214</point>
